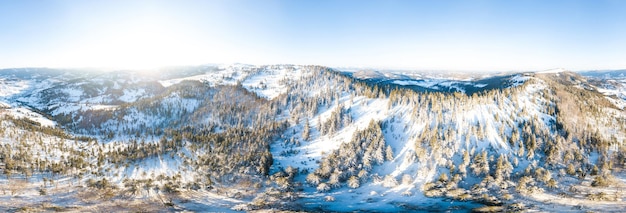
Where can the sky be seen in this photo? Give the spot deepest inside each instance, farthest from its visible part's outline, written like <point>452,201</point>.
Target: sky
<point>475,35</point>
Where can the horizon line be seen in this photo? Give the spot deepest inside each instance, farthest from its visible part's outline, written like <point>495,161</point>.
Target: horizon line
<point>340,67</point>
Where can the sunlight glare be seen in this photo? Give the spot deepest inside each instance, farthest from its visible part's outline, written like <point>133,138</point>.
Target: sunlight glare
<point>145,45</point>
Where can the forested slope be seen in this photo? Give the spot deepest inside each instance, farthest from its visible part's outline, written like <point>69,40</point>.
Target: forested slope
<point>311,138</point>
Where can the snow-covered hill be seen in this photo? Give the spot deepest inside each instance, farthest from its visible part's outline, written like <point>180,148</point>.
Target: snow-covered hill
<point>243,137</point>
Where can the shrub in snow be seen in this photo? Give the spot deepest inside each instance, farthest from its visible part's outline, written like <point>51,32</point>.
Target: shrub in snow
<point>241,207</point>
<point>443,177</point>
<point>363,174</point>
<point>601,181</point>
<point>522,184</point>
<point>464,197</point>
<point>323,187</point>
<point>516,207</point>
<point>390,181</point>
<point>333,181</point>
<point>406,179</point>
<point>313,179</point>
<point>507,196</point>
<point>428,186</point>
<point>455,193</point>
<point>601,196</point>
<point>552,183</point>
<point>353,182</point>
<point>434,193</point>
<point>43,191</point>
<point>377,179</point>
<point>260,202</point>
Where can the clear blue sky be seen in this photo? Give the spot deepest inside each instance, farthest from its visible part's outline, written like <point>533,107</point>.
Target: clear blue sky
<point>428,34</point>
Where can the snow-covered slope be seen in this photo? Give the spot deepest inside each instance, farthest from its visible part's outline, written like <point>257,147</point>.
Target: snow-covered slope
<point>610,83</point>
<point>406,123</point>
<point>312,138</point>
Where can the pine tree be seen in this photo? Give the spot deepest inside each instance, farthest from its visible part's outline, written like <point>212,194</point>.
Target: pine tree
<point>389,154</point>
<point>306,130</point>
<point>353,182</point>
<point>323,187</point>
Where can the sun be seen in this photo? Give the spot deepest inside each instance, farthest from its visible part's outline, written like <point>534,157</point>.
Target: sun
<point>140,45</point>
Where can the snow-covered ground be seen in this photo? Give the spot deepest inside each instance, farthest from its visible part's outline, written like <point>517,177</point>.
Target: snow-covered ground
<point>519,79</point>
<point>265,81</point>
<point>553,71</point>
<point>615,92</point>
<point>227,76</point>
<point>22,112</point>
<point>403,122</point>
<point>400,134</point>
<point>10,87</point>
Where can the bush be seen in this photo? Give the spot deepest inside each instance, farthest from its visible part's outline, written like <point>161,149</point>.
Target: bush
<point>434,193</point>
<point>406,179</point>
<point>429,186</point>
<point>390,181</point>
<point>465,197</point>
<point>507,196</point>
<point>323,187</point>
<point>489,209</point>
<point>455,193</point>
<point>600,196</point>
<point>601,181</point>
<point>241,207</point>
<point>353,182</point>
<point>516,207</point>
<point>43,191</point>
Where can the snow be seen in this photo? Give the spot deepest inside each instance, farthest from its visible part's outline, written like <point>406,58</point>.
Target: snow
<point>73,94</point>
<point>557,70</point>
<point>10,87</point>
<point>22,112</point>
<point>619,103</point>
<point>614,91</point>
<point>153,167</point>
<point>103,107</point>
<point>518,80</point>
<point>132,95</point>
<point>225,76</point>
<point>421,83</point>
<point>270,83</point>
<point>176,102</point>
<point>266,81</point>
<point>400,133</point>
<point>402,128</point>
<point>619,93</point>
<point>313,150</point>
<point>439,84</point>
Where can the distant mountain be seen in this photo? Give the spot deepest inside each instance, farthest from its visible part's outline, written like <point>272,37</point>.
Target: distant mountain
<point>426,82</point>
<point>605,74</point>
